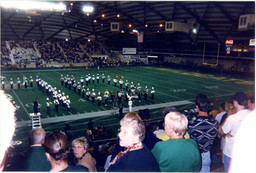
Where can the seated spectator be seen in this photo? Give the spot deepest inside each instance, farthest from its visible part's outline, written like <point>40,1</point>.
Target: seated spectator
<point>80,148</point>
<point>57,152</point>
<point>35,157</point>
<point>177,154</point>
<point>137,157</point>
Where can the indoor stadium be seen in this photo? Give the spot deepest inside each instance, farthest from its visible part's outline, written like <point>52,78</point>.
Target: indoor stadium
<point>66,65</point>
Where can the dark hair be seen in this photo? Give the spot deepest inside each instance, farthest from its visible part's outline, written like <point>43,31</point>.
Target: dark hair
<point>203,103</point>
<point>252,99</point>
<point>222,105</point>
<point>169,109</point>
<point>56,145</point>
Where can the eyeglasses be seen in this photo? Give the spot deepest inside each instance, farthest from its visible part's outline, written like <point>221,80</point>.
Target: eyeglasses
<point>77,148</point>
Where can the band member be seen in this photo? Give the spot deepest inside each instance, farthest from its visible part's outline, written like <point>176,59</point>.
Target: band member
<point>48,105</point>
<point>106,97</point>
<point>74,85</point>
<point>152,93</point>
<point>88,93</point>
<point>62,80</point>
<point>119,95</point>
<point>82,81</point>
<point>56,103</point>
<point>25,82</point>
<point>93,96</point>
<point>11,83</point>
<point>127,85</point>
<point>87,80</point>
<point>98,78</point>
<point>103,78</point>
<point>109,79</point>
<point>72,79</point>
<point>93,79</point>
<point>18,83</point>
<point>31,81</point>
<point>83,92</point>
<point>37,81</point>
<point>139,87</point>
<point>112,97</point>
<point>139,95</point>
<point>121,81</point>
<point>99,99</point>
<point>79,88</point>
<point>68,103</point>
<point>145,93</point>
<point>69,84</point>
<point>89,77</point>
<point>66,82</point>
<point>115,79</point>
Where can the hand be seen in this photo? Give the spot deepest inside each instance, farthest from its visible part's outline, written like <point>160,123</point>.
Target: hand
<point>229,135</point>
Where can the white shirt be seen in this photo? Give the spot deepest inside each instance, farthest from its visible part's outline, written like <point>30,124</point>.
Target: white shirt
<point>219,116</point>
<point>232,125</point>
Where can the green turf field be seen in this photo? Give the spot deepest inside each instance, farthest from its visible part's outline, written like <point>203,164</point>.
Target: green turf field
<point>173,88</point>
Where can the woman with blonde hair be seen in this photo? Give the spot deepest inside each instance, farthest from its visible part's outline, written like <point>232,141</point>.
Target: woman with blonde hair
<point>80,148</point>
<point>57,151</point>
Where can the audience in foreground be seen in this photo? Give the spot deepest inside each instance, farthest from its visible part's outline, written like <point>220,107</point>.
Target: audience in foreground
<point>137,157</point>
<point>57,152</point>
<point>177,154</point>
<point>203,129</point>
<point>80,148</point>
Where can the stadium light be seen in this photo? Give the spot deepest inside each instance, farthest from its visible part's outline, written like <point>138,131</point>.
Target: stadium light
<point>31,5</point>
<point>88,9</point>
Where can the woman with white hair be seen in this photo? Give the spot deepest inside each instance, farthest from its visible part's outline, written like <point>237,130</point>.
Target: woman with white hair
<point>137,157</point>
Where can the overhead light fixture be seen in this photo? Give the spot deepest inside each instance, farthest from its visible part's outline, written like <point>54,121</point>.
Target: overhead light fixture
<point>103,15</point>
<point>130,25</point>
<point>194,30</point>
<point>88,9</point>
<point>118,15</point>
<point>31,5</point>
<point>95,21</point>
<point>161,25</point>
<point>135,31</point>
<point>146,26</point>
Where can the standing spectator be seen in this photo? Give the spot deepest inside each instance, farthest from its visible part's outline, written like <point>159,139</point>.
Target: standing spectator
<point>35,158</point>
<point>36,106</point>
<point>231,126</point>
<point>80,148</point>
<point>121,111</point>
<point>222,111</point>
<point>90,124</point>
<point>203,129</point>
<point>177,154</point>
<point>251,103</point>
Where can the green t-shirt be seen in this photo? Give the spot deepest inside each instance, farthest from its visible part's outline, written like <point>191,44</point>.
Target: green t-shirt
<point>177,155</point>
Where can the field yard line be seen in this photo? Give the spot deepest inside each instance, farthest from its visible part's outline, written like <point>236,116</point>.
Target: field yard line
<point>167,88</point>
<point>21,103</point>
<point>223,82</point>
<point>102,113</point>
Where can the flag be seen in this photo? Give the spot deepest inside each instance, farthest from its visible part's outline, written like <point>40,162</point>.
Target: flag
<point>140,37</point>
